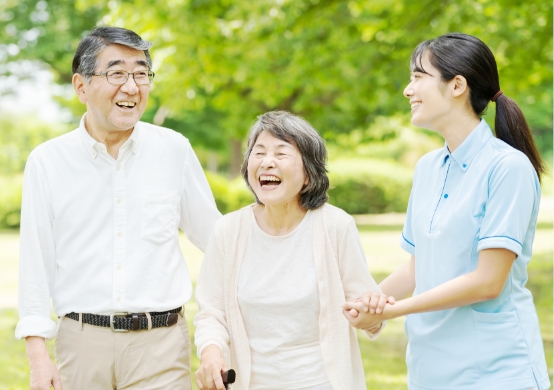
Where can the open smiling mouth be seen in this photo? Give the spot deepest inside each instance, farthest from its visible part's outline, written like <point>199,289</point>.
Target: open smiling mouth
<point>269,181</point>
<point>126,105</point>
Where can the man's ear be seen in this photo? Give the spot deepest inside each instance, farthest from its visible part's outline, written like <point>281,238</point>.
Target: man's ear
<point>458,86</point>
<point>80,86</point>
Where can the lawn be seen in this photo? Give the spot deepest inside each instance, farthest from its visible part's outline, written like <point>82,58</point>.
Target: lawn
<point>383,358</point>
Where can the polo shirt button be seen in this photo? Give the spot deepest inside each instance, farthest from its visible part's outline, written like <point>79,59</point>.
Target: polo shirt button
<point>445,196</point>
<point>464,165</point>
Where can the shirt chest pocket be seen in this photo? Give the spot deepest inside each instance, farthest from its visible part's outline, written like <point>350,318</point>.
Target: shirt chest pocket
<point>159,216</point>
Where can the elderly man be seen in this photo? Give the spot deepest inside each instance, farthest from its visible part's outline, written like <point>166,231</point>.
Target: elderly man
<point>99,233</point>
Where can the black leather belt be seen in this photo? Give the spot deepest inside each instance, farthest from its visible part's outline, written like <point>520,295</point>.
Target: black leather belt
<point>124,322</point>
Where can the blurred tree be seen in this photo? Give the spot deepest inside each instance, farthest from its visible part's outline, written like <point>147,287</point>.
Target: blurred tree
<point>340,64</point>
<point>47,31</point>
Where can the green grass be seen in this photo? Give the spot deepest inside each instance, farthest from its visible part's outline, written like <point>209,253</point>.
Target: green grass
<point>383,358</point>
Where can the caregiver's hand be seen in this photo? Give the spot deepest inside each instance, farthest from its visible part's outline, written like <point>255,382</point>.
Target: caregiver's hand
<point>374,302</point>
<point>371,302</point>
<point>360,319</point>
<point>208,376</point>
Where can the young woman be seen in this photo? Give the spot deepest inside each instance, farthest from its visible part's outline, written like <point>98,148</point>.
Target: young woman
<point>470,224</point>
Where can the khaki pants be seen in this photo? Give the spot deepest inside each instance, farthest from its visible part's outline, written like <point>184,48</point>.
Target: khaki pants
<point>95,358</point>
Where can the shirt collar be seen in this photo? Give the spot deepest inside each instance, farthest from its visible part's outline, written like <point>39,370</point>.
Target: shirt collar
<point>466,152</point>
<point>94,147</point>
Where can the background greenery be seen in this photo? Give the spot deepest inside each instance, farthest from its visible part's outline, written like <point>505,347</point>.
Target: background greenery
<point>341,64</point>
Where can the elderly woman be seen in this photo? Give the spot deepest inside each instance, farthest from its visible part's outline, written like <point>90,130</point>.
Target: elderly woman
<point>276,273</point>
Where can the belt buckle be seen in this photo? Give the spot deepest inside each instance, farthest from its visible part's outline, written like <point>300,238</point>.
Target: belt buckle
<point>112,322</point>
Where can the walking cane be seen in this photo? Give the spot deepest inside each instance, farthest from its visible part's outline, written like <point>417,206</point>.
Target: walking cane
<point>228,378</point>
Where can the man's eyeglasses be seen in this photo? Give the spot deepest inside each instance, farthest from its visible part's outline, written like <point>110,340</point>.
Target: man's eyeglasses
<point>119,77</point>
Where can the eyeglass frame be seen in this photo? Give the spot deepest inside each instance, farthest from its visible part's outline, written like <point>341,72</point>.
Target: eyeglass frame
<point>126,78</point>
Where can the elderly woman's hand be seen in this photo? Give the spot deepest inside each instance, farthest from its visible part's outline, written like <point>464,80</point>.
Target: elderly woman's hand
<point>208,376</point>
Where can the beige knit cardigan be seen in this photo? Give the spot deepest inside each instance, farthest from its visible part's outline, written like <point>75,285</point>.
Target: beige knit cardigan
<point>342,274</point>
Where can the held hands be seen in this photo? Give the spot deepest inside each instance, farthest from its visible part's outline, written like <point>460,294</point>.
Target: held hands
<point>366,312</point>
<point>208,376</point>
<point>44,374</point>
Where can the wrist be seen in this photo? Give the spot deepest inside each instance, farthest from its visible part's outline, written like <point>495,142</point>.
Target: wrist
<point>211,351</point>
<point>394,311</point>
<point>36,347</point>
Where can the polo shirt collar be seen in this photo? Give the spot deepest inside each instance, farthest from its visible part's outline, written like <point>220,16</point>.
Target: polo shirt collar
<point>466,152</point>
<point>93,147</point>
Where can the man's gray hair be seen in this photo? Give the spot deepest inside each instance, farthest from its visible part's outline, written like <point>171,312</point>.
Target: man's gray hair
<point>296,131</point>
<point>86,56</point>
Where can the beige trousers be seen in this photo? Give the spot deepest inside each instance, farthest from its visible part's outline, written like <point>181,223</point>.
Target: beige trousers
<point>95,358</point>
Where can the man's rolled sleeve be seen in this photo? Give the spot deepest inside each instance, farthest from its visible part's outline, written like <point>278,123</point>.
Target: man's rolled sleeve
<point>37,265</point>
<point>513,198</point>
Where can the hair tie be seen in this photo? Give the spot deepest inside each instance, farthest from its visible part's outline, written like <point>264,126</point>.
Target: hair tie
<point>496,96</point>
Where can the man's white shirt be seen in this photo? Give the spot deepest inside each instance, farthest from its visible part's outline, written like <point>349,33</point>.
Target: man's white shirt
<point>100,235</point>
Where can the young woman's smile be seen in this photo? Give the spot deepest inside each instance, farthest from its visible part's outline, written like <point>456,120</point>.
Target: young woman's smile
<point>428,101</point>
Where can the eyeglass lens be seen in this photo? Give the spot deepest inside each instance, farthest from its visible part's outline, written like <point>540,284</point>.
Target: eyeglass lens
<point>121,76</point>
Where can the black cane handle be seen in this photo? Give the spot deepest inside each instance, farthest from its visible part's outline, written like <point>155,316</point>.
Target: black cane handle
<point>228,377</point>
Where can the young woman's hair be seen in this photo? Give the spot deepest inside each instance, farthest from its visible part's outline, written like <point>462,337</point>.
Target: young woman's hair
<point>460,54</point>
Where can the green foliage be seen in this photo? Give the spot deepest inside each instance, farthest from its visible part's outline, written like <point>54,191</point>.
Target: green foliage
<point>369,186</point>
<point>19,135</point>
<point>48,31</point>
<point>230,195</point>
<point>340,64</point>
<point>391,138</point>
<point>10,200</point>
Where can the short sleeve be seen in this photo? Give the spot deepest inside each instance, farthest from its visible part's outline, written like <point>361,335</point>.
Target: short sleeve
<point>512,205</point>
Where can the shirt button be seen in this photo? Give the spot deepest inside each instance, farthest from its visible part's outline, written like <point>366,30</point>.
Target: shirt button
<point>117,168</point>
<point>118,267</point>
<point>464,165</point>
<point>118,299</point>
<point>118,200</point>
<point>445,196</point>
<point>119,234</point>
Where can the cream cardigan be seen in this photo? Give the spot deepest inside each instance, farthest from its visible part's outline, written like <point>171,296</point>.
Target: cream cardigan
<point>342,275</point>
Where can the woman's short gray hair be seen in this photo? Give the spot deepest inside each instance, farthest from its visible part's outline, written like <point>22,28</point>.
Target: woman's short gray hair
<point>295,130</point>
<point>86,56</point>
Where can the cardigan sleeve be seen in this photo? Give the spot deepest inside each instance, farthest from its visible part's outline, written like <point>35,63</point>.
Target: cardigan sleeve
<point>355,275</point>
<point>211,321</point>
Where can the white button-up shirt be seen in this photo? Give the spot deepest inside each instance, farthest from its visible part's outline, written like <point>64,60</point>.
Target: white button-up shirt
<point>100,235</point>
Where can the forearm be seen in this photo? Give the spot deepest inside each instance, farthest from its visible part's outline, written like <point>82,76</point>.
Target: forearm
<point>36,347</point>
<point>401,283</point>
<point>461,291</point>
<point>484,283</point>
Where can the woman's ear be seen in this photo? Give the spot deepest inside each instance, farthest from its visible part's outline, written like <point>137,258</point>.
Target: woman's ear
<point>80,86</point>
<point>459,86</point>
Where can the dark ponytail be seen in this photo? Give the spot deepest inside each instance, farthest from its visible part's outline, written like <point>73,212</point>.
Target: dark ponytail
<point>511,127</point>
<point>465,55</point>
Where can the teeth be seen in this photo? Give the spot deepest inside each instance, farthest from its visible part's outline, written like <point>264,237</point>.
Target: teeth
<point>416,104</point>
<point>269,178</point>
<point>126,104</point>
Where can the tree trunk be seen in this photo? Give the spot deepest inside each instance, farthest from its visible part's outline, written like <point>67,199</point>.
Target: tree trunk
<point>236,157</point>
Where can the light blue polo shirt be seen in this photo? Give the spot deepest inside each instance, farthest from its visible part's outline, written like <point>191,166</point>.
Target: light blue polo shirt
<point>483,195</point>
